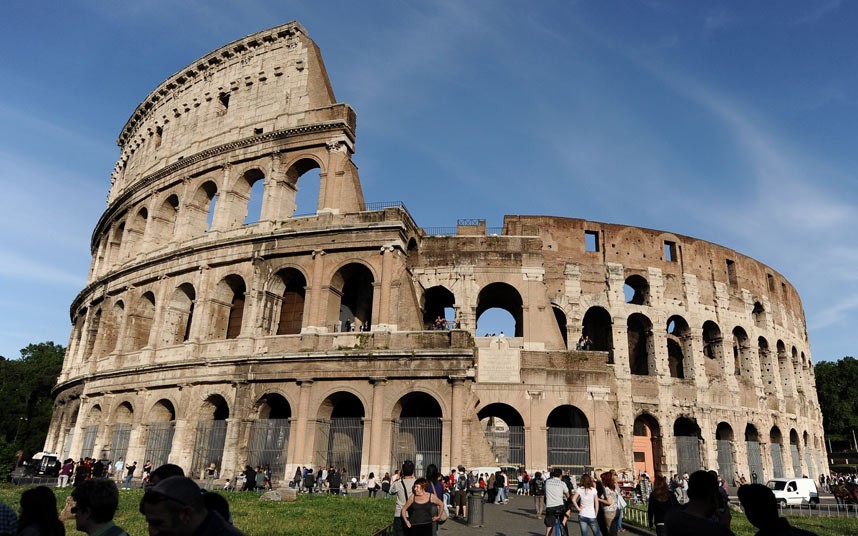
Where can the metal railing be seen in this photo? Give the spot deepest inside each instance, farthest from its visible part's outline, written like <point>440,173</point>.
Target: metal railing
<point>381,205</point>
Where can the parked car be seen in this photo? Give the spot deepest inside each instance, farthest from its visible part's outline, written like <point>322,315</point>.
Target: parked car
<point>794,491</point>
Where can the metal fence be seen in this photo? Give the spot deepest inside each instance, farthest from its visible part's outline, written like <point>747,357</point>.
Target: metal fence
<point>755,459</point>
<point>208,446</point>
<point>687,454</point>
<point>777,461</point>
<point>340,443</point>
<point>89,435</point>
<point>417,439</point>
<point>159,443</point>
<point>568,448</point>
<point>507,445</point>
<point>381,205</point>
<point>67,446</point>
<point>119,443</point>
<point>796,461</point>
<point>725,459</point>
<point>268,441</point>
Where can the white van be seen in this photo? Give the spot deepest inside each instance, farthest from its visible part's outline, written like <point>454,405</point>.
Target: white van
<point>790,491</point>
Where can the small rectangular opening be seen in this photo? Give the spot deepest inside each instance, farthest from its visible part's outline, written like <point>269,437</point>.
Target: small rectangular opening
<point>159,133</point>
<point>731,272</point>
<point>224,100</point>
<point>669,251</point>
<point>771,280</point>
<point>784,291</point>
<point>591,240</point>
<point>257,131</point>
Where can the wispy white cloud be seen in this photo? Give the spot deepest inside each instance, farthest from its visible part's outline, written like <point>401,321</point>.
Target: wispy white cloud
<point>816,11</point>
<point>14,266</point>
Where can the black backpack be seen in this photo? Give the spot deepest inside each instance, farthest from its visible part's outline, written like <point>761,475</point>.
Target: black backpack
<point>537,487</point>
<point>462,483</point>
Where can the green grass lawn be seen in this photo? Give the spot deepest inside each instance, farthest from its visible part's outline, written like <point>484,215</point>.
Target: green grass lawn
<point>311,514</point>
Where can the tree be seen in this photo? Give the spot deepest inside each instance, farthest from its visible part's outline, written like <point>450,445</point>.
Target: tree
<point>838,397</point>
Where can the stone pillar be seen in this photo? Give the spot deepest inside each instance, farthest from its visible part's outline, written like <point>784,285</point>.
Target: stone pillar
<point>376,452</point>
<point>388,252</point>
<point>457,415</point>
<point>536,441</point>
<point>303,443</point>
<point>316,296</point>
<point>77,436</point>
<point>230,461</point>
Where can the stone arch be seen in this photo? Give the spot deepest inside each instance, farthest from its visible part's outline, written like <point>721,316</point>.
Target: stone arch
<point>92,335</point>
<point>228,307</point>
<point>202,208</point>
<point>123,417</point>
<point>295,200</point>
<point>115,244</point>
<point>161,429</point>
<point>351,298</point>
<point>755,456</point>
<point>163,224</point>
<point>503,427</point>
<point>786,372</point>
<point>797,370</point>
<point>438,302</point>
<point>766,369</point>
<point>647,445</point>
<point>179,315</point>
<point>141,319</point>
<point>417,430</point>
<point>339,432</point>
<point>759,314</point>
<point>679,348</point>
<point>641,351</point>
<point>742,359</point>
<point>568,439</point>
<point>248,196</point>
<point>286,298</point>
<point>503,296</point>
<point>210,436</point>
<point>713,349</point>
<point>776,447</point>
<point>686,433</point>
<point>560,319</point>
<point>90,431</point>
<point>636,290</point>
<point>269,433</point>
<point>597,324</point>
<point>795,455</point>
<point>726,453</point>
<point>112,327</point>
<point>134,232</point>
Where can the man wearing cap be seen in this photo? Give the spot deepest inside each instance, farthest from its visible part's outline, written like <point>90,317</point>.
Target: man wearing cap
<point>175,507</point>
<point>95,503</point>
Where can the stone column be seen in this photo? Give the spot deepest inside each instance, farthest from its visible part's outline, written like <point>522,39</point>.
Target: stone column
<point>383,324</point>
<point>230,460</point>
<point>316,296</point>
<point>303,444</point>
<point>457,414</point>
<point>536,442</point>
<point>376,452</point>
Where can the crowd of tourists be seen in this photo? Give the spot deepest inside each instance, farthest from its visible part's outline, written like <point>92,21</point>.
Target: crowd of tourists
<point>171,504</point>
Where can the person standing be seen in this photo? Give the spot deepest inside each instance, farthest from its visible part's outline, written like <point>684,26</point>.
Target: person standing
<point>65,473</point>
<point>418,511</point>
<point>556,493</point>
<point>129,470</point>
<point>661,501</point>
<point>39,515</point>
<point>402,488</point>
<point>95,504</point>
<point>588,506</point>
<point>371,485</point>
<point>537,489</point>
<point>119,468</point>
<point>696,519</point>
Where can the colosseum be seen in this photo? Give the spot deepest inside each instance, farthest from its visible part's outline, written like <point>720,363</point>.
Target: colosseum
<point>219,326</point>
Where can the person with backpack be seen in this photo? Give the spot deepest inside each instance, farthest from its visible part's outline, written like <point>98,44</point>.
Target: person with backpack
<point>537,489</point>
<point>460,492</point>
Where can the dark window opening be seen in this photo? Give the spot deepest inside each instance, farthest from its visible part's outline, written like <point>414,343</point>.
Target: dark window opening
<point>640,344</point>
<point>257,131</point>
<point>771,280</point>
<point>159,133</point>
<point>669,251</point>
<point>636,290</point>
<point>223,98</point>
<point>504,297</point>
<point>731,273</point>
<point>591,240</point>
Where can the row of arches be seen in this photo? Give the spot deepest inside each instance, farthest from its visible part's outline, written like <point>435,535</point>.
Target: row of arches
<point>208,203</point>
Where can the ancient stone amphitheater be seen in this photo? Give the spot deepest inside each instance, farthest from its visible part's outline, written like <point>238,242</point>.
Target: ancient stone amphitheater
<point>218,326</point>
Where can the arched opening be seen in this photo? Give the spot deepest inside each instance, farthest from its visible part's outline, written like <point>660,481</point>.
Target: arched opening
<point>641,350</point>
<point>741,354</point>
<point>302,197</point>
<point>115,246</point>
<point>794,453</point>
<point>647,445</point>
<point>796,368</point>
<point>92,334</point>
<point>122,419</point>
<point>568,440</point>
<point>755,455</point>
<point>135,233</point>
<point>90,432</point>
<point>417,431</point>
<point>438,308</point>
<point>141,322</point>
<point>759,314</point>
<point>775,444</point>
<point>678,347</point>
<point>292,299</point>
<point>597,326</point>
<point>251,188</point>
<point>179,315</point>
<point>350,305</point>
<point>766,368</point>
<point>201,210</point>
<point>686,433</point>
<point>560,319</point>
<point>726,453</point>
<point>164,221</point>
<point>504,430</point>
<point>112,327</point>
<point>636,290</point>
<point>504,297</point>
<point>269,434</point>
<point>713,349</point>
<point>339,433</point>
<point>785,370</point>
<point>228,308</point>
<point>162,425</point>
<point>211,435</point>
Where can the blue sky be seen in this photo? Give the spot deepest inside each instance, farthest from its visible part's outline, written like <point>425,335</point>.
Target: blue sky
<point>734,122</point>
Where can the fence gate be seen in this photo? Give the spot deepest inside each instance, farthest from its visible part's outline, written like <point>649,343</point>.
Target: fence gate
<point>507,445</point>
<point>119,443</point>
<point>160,442</point>
<point>417,439</point>
<point>268,441</point>
<point>208,447</point>
<point>687,454</point>
<point>569,448</point>
<point>339,443</point>
<point>796,460</point>
<point>725,459</point>
<point>755,460</point>
<point>777,461</point>
<point>89,435</point>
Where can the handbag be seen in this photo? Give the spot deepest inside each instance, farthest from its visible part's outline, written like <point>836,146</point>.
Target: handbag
<point>442,517</point>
